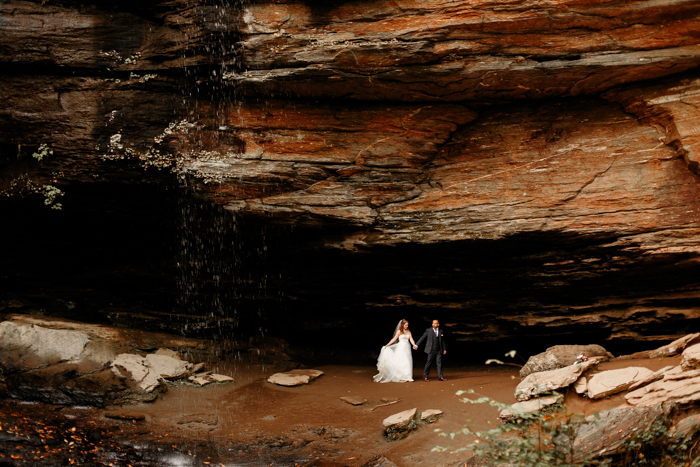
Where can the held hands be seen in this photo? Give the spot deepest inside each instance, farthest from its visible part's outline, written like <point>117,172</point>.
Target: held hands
<point>415,347</point>
<point>444,352</point>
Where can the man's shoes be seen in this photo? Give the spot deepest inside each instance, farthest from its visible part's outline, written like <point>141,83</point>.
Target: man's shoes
<point>426,379</point>
<point>442,379</point>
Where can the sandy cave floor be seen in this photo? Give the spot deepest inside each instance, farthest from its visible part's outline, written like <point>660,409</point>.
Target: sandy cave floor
<point>251,422</point>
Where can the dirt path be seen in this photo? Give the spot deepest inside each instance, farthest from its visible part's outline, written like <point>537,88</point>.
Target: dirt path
<point>254,423</point>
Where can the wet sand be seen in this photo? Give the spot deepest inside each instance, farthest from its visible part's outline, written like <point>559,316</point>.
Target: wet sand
<point>252,422</point>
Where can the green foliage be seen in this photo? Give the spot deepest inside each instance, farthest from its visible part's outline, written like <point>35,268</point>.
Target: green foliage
<point>42,152</point>
<point>657,447</point>
<point>539,439</point>
<point>546,438</point>
<point>50,195</point>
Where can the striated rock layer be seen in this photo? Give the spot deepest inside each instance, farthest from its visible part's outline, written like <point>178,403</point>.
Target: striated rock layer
<point>514,168</point>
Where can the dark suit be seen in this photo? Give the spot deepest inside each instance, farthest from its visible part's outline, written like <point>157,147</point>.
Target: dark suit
<point>435,348</point>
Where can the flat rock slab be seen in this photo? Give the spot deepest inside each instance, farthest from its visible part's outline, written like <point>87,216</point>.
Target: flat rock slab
<point>545,381</point>
<point>207,378</point>
<point>353,400</point>
<point>613,381</point>
<point>560,356</point>
<point>655,376</point>
<point>519,409</point>
<point>294,377</point>
<point>681,387</point>
<point>676,346</point>
<point>581,385</point>
<point>430,415</point>
<point>400,424</point>
<point>691,358</point>
<point>125,416</point>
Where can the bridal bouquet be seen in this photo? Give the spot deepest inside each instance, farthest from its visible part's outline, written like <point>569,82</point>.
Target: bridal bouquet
<point>580,358</point>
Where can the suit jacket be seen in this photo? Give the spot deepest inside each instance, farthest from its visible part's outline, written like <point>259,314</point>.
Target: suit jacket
<point>429,337</point>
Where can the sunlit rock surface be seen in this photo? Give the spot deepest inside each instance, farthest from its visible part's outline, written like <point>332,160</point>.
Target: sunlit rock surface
<point>517,170</point>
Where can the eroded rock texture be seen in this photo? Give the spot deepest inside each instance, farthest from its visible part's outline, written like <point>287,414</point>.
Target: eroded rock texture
<point>514,168</point>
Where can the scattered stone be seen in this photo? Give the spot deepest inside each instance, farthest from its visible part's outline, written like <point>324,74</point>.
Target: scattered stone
<point>691,358</point>
<point>676,346</point>
<point>379,461</point>
<point>430,415</point>
<point>353,400</point>
<point>294,377</point>
<point>198,367</point>
<point>125,416</point>
<point>201,380</point>
<point>581,385</point>
<point>269,417</point>
<point>655,376</point>
<point>560,356</point>
<point>390,399</point>
<point>613,381</point>
<point>400,425</point>
<point>547,381</point>
<point>168,367</point>
<point>167,353</point>
<point>15,304</point>
<point>604,436</point>
<point>519,409</point>
<point>216,378</point>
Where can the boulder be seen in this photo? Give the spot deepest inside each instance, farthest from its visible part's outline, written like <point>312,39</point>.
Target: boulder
<point>546,381</point>
<point>581,385</point>
<point>613,381</point>
<point>294,377</point>
<point>430,415</point>
<point>138,369</point>
<point>560,356</point>
<point>400,425</point>
<point>167,366</point>
<point>519,409</point>
<point>605,436</point>
<point>353,400</point>
<point>676,346</point>
<point>690,359</point>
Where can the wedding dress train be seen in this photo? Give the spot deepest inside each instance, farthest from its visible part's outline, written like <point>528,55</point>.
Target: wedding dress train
<point>395,363</point>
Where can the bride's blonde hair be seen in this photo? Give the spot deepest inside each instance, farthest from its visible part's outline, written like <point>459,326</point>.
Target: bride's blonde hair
<point>401,324</point>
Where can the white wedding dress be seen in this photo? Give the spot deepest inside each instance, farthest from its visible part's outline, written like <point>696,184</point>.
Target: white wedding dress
<point>395,363</point>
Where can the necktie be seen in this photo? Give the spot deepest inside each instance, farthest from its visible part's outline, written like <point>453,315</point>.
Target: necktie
<point>436,332</point>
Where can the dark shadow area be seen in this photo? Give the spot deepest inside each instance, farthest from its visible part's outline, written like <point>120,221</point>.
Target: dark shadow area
<point>157,257</point>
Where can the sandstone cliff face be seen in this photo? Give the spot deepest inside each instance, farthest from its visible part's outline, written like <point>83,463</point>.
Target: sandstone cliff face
<point>548,150</point>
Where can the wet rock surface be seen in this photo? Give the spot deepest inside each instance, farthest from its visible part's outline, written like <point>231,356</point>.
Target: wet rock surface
<point>69,363</point>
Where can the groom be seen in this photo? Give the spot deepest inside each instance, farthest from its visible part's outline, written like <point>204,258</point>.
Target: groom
<point>434,347</point>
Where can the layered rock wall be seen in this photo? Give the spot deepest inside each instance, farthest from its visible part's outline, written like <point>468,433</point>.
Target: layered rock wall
<point>569,129</point>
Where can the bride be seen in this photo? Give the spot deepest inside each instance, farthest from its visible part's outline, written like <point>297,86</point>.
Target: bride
<point>395,363</point>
